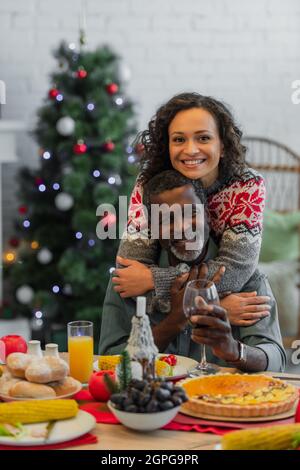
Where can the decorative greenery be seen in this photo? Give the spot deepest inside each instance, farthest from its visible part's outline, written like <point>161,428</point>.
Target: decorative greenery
<point>125,370</point>
<point>80,267</point>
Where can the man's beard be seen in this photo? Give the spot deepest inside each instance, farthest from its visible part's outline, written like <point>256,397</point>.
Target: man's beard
<point>185,255</point>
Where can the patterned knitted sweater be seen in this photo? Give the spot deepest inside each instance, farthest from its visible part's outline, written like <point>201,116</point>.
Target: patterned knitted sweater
<point>235,213</point>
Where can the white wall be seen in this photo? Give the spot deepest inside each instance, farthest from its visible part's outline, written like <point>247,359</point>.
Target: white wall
<point>245,52</point>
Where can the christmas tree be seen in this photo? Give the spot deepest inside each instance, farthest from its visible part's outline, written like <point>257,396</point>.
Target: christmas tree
<point>56,269</point>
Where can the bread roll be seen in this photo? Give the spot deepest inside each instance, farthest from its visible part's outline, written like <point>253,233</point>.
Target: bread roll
<point>66,386</point>
<point>17,363</point>
<point>47,369</point>
<point>25,389</point>
<point>7,382</point>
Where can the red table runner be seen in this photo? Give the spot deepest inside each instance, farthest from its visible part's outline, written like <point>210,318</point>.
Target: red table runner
<point>181,422</point>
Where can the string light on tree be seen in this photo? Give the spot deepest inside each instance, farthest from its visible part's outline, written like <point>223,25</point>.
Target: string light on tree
<point>131,159</point>
<point>46,155</point>
<point>115,179</point>
<point>55,289</point>
<point>24,294</point>
<point>26,223</point>
<point>90,106</point>
<point>56,186</point>
<point>34,245</point>
<point>119,100</point>
<point>91,242</point>
<point>44,256</point>
<point>78,235</point>
<point>64,201</point>
<point>65,126</point>
<point>112,88</point>
<point>96,173</point>
<point>42,188</point>
<point>80,147</point>
<point>9,257</point>
<point>59,97</point>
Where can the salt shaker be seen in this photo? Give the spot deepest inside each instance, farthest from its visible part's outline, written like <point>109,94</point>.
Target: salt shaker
<point>34,348</point>
<point>51,349</point>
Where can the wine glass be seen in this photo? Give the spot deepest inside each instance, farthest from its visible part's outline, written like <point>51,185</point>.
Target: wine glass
<point>208,291</point>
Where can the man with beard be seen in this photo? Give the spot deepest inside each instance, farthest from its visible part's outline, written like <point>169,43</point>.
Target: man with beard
<point>185,237</point>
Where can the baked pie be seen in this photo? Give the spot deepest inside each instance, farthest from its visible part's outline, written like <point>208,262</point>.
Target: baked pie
<point>238,395</point>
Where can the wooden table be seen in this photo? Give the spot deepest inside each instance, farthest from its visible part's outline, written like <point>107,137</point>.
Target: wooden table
<point>118,437</point>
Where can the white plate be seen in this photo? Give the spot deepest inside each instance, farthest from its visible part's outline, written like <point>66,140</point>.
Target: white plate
<point>63,430</point>
<point>183,366</point>
<point>68,395</point>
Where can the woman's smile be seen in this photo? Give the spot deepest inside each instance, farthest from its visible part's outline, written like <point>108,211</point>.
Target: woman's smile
<point>195,147</point>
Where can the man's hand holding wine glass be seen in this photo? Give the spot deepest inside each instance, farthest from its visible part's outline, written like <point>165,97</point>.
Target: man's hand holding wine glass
<point>212,328</point>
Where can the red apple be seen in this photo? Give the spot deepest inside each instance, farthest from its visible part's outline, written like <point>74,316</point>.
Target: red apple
<point>97,385</point>
<point>14,343</point>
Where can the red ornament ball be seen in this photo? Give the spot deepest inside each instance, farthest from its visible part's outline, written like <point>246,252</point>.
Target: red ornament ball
<point>97,385</point>
<point>80,148</point>
<point>53,93</point>
<point>112,88</point>
<point>81,73</point>
<point>14,242</point>
<point>23,210</point>
<point>39,181</point>
<point>109,146</point>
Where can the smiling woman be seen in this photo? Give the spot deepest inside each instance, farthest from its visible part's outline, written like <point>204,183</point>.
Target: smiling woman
<point>195,146</point>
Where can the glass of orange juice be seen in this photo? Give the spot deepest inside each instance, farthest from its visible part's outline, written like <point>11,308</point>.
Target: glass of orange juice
<point>81,350</point>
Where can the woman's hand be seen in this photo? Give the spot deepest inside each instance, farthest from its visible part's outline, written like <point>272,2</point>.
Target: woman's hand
<point>245,308</point>
<point>132,280</point>
<point>212,328</point>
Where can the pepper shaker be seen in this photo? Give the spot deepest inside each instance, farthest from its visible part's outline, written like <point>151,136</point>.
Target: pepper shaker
<point>34,348</point>
<point>51,350</point>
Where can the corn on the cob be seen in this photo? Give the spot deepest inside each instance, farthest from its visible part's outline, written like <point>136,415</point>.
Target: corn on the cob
<point>162,369</point>
<point>267,438</point>
<point>36,411</point>
<point>109,362</point>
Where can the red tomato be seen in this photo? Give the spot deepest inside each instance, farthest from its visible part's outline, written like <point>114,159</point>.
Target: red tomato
<point>97,385</point>
<point>173,359</point>
<point>14,343</point>
<point>166,359</point>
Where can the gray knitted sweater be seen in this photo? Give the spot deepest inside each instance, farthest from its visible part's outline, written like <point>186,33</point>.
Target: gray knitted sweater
<point>235,212</point>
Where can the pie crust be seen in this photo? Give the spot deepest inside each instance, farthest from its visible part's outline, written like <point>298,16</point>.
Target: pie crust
<point>238,395</point>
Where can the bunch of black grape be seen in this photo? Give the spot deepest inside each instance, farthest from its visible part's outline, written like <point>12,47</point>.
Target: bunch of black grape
<point>143,396</point>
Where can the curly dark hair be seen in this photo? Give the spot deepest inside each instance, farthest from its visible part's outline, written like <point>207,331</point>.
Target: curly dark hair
<point>155,140</point>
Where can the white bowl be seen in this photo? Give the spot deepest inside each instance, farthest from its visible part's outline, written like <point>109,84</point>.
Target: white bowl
<point>144,421</point>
